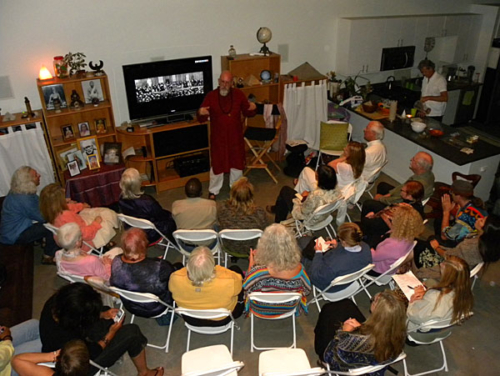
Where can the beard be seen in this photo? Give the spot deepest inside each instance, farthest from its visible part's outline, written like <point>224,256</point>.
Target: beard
<point>223,92</point>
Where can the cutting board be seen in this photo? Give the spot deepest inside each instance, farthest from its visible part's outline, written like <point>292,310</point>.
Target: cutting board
<point>374,115</point>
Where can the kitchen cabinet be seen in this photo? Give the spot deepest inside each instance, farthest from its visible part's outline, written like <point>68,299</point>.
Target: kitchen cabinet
<point>398,32</point>
<point>468,35</point>
<point>436,26</point>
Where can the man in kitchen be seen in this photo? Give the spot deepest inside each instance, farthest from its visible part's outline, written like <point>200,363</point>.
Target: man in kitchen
<point>434,90</point>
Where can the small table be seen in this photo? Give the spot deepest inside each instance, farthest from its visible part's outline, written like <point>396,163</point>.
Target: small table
<point>97,187</point>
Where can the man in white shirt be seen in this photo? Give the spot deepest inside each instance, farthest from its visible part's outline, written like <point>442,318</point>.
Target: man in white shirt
<point>376,154</point>
<point>434,90</point>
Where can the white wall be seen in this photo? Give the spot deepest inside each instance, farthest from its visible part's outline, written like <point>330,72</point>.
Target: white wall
<point>122,32</point>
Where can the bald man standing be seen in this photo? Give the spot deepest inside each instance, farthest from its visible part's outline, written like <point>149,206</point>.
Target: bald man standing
<point>224,107</point>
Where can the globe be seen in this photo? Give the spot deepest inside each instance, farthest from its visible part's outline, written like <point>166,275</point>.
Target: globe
<point>264,35</point>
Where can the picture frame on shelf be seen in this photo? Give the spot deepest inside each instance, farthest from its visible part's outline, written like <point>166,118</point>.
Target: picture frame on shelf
<point>92,91</point>
<point>100,126</point>
<point>84,129</point>
<point>112,153</point>
<point>53,92</point>
<point>89,146</point>
<point>73,168</point>
<point>63,155</point>
<point>67,132</point>
<point>93,161</point>
<point>78,156</point>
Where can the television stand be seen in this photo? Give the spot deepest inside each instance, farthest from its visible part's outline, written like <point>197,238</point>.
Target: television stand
<point>169,119</point>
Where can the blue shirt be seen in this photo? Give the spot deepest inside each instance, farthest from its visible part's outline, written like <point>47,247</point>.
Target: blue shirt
<point>18,213</point>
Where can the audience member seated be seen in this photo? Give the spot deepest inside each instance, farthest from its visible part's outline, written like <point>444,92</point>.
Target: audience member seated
<point>376,153</point>
<point>345,339</point>
<point>325,193</point>
<point>72,259</point>
<point>21,209</point>
<point>421,166</point>
<point>194,212</point>
<point>71,360</point>
<point>96,224</point>
<point>406,226</point>
<point>450,299</point>
<point>204,285</point>
<point>477,247</point>
<point>133,271</point>
<point>240,212</point>
<point>76,312</point>
<point>375,225</point>
<point>21,338</point>
<point>135,203</point>
<point>346,256</point>
<point>275,266</point>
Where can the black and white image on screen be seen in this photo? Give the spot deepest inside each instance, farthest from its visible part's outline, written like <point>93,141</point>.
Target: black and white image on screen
<point>165,87</point>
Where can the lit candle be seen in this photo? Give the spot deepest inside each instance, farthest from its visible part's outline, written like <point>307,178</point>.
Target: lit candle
<point>44,73</point>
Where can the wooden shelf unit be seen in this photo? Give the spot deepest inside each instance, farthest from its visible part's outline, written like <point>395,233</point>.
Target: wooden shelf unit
<point>88,113</point>
<point>158,167</point>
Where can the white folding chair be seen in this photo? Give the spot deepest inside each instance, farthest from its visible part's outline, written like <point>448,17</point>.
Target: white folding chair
<point>286,362</point>
<point>54,229</point>
<point>236,236</point>
<point>320,212</point>
<point>144,297</point>
<point>334,152</point>
<point>386,277</point>
<point>367,369</point>
<point>71,278</point>
<point>110,298</point>
<point>272,306</point>
<point>373,178</point>
<point>474,273</point>
<point>144,224</point>
<point>352,193</point>
<point>207,314</point>
<point>355,281</point>
<point>101,371</point>
<point>187,239</point>
<point>210,361</point>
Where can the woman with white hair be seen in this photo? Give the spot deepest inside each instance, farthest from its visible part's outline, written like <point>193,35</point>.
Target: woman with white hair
<point>136,203</point>
<point>73,260</point>
<point>275,266</point>
<point>204,285</point>
<point>20,209</point>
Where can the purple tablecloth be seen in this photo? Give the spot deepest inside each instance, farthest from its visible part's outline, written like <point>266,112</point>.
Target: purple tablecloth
<point>98,187</point>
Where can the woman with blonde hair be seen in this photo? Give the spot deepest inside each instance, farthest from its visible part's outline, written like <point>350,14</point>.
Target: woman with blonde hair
<point>275,265</point>
<point>344,340</point>
<point>96,224</point>
<point>350,164</point>
<point>406,226</point>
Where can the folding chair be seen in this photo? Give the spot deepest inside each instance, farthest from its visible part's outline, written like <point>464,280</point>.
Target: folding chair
<point>101,371</point>
<point>286,362</point>
<point>188,239</point>
<point>331,138</point>
<point>354,280</point>
<point>372,179</point>
<point>474,273</point>
<point>236,236</point>
<point>54,229</point>
<point>260,140</point>
<point>110,298</point>
<point>272,306</point>
<point>352,193</point>
<point>209,361</point>
<point>71,278</point>
<point>324,210</point>
<point>144,224</point>
<point>386,277</point>
<point>207,314</point>
<point>144,297</point>
<point>367,369</point>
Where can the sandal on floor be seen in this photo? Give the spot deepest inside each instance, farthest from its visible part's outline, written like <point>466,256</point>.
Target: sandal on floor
<point>211,196</point>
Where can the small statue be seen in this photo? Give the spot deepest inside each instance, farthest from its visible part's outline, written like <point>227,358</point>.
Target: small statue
<point>57,105</point>
<point>76,103</point>
<point>29,112</point>
<point>95,101</point>
<point>97,68</point>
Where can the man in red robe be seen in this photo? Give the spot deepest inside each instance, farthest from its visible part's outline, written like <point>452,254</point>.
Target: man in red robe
<point>225,107</point>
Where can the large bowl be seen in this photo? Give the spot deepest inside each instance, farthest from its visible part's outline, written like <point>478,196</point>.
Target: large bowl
<point>369,107</point>
<point>418,126</point>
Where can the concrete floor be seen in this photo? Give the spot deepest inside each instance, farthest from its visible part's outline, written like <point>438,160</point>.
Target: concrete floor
<point>471,350</point>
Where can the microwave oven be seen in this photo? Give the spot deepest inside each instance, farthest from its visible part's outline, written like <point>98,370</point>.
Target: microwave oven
<point>397,58</point>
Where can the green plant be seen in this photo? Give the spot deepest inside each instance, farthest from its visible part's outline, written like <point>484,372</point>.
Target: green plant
<point>76,61</point>
<point>332,77</point>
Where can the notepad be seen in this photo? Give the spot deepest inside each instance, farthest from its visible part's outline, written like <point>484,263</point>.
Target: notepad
<point>407,283</point>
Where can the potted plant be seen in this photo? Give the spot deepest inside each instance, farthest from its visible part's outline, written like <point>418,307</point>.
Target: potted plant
<point>334,83</point>
<point>76,62</point>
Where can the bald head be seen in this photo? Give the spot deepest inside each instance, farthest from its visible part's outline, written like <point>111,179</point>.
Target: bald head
<point>374,131</point>
<point>225,83</point>
<point>193,188</point>
<point>422,162</point>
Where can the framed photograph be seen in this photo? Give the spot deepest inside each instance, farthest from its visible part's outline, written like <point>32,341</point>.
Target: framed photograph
<point>67,132</point>
<point>73,168</point>
<point>89,146</point>
<point>112,153</point>
<point>84,129</point>
<point>78,157</point>
<point>93,161</point>
<point>51,93</point>
<point>64,156</point>
<point>100,126</point>
<point>92,91</point>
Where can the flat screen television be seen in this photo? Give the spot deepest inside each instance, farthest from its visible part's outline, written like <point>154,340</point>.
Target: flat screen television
<point>168,88</point>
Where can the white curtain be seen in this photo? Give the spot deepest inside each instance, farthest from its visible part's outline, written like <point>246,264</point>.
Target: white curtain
<point>305,107</point>
<point>24,147</point>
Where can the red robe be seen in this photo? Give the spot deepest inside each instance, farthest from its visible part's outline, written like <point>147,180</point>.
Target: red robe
<point>226,129</point>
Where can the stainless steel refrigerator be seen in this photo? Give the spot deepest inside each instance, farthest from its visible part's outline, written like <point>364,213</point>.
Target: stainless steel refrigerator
<point>488,111</point>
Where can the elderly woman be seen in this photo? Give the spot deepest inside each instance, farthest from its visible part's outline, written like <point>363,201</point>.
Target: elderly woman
<point>96,224</point>
<point>240,212</point>
<point>204,285</point>
<point>20,209</point>
<point>135,203</point>
<point>73,260</point>
<point>275,265</point>
<point>134,271</point>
